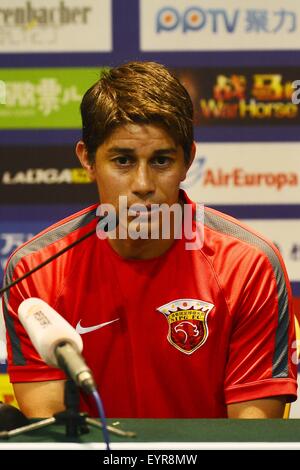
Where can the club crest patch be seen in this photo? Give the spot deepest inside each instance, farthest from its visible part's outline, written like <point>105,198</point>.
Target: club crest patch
<point>187,319</point>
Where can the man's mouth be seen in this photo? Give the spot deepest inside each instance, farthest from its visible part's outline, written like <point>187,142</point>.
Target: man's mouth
<point>141,209</point>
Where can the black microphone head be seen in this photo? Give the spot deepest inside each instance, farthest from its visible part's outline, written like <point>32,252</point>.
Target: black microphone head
<point>11,417</point>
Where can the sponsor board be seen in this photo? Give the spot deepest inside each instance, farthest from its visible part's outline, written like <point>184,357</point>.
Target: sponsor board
<point>56,26</point>
<point>285,234</point>
<point>10,241</point>
<point>2,92</point>
<point>12,235</point>
<point>19,223</point>
<point>296,305</point>
<point>242,96</point>
<point>295,95</point>
<point>245,173</point>
<point>44,98</point>
<point>3,354</point>
<point>198,25</point>
<point>45,174</point>
<point>5,387</point>
<point>6,391</point>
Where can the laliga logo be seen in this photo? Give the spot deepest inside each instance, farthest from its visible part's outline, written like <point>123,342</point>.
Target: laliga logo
<point>195,19</point>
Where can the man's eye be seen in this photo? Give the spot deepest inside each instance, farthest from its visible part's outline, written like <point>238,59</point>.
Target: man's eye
<point>161,161</point>
<point>123,161</point>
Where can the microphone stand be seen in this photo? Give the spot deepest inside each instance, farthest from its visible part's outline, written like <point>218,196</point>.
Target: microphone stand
<point>76,423</point>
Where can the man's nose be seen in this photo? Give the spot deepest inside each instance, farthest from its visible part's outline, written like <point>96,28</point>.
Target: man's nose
<point>143,182</point>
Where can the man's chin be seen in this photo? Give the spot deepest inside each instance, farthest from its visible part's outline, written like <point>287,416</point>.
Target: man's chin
<point>142,229</point>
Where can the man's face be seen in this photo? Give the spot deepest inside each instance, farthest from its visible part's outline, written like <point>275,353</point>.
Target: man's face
<point>141,162</point>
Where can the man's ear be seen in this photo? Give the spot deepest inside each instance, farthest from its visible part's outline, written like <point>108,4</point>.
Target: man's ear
<point>82,154</point>
<point>189,164</point>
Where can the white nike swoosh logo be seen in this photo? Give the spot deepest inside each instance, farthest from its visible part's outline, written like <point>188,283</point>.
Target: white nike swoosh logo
<point>83,330</point>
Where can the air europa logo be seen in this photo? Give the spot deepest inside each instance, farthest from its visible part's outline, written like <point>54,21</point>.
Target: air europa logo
<point>46,176</point>
<point>238,177</point>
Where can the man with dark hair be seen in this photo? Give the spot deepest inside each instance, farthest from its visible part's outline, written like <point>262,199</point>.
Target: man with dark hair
<point>137,93</point>
<point>171,329</point>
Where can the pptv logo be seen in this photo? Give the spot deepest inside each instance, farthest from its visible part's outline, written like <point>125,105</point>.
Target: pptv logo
<point>296,94</point>
<point>196,19</point>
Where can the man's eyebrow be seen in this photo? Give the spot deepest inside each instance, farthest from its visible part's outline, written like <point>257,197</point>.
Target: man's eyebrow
<point>131,151</point>
<point>167,150</point>
<point>121,150</point>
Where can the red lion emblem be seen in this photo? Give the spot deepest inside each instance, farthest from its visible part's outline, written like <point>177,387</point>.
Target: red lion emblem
<point>187,319</point>
<point>187,334</point>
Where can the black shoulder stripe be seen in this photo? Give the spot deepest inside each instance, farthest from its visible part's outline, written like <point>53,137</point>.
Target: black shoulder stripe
<point>225,226</point>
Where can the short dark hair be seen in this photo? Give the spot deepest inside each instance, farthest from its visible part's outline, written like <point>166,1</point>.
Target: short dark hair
<point>137,92</point>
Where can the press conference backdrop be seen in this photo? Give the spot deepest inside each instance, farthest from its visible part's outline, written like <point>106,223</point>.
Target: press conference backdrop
<point>237,59</point>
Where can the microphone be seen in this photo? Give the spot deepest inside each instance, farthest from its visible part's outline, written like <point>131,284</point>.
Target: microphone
<point>56,341</point>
